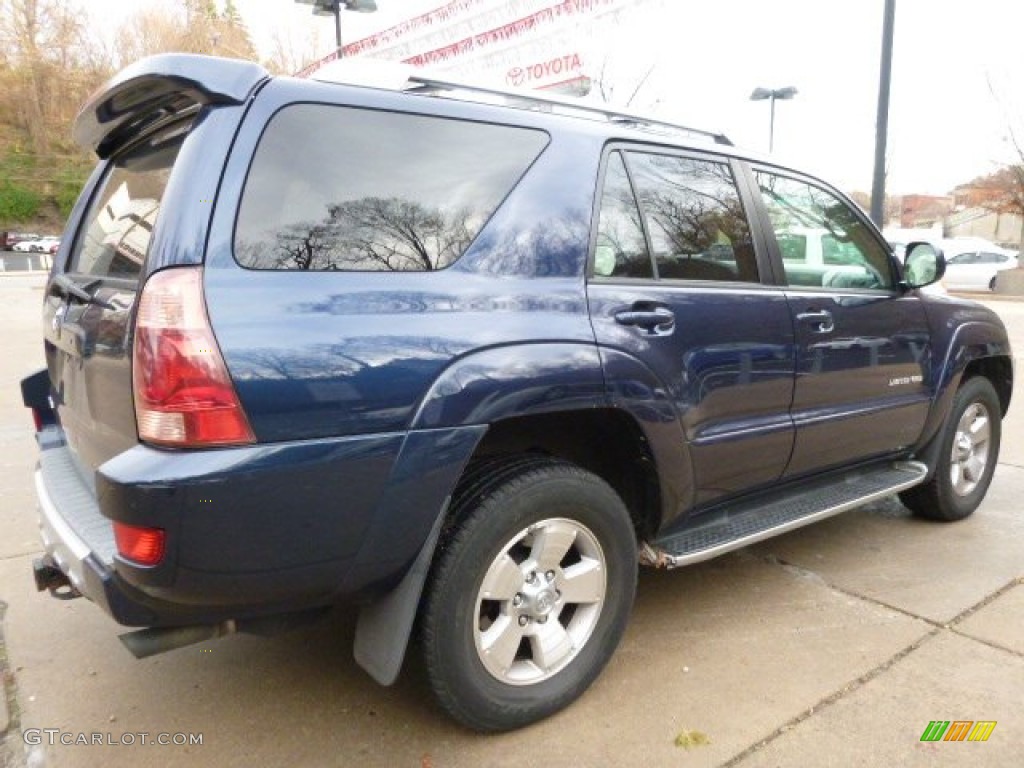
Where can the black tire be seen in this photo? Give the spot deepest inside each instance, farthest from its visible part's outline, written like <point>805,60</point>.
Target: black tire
<point>943,497</point>
<point>511,519</point>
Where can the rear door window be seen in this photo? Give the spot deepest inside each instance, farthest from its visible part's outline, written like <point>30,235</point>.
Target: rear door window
<point>621,249</point>
<point>118,227</point>
<point>695,219</point>
<point>341,188</point>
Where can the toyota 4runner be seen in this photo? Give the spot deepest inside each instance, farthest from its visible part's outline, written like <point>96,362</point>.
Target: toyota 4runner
<point>463,359</point>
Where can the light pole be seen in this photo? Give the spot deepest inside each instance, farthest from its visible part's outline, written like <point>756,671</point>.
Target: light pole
<point>760,94</point>
<point>882,120</point>
<point>334,8</point>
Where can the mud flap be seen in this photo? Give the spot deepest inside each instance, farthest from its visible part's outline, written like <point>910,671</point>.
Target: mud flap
<point>384,627</point>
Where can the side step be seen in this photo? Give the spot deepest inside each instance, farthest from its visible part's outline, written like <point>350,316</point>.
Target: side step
<point>728,528</point>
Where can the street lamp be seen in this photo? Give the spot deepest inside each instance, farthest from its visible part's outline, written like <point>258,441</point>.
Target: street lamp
<point>334,8</point>
<point>760,94</point>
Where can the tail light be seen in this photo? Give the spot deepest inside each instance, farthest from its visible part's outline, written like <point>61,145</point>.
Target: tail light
<point>183,394</point>
<point>144,546</point>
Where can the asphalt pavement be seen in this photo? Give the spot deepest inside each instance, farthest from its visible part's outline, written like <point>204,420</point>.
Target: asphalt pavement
<point>834,645</point>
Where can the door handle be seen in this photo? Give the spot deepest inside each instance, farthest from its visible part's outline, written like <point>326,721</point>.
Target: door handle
<point>820,319</point>
<point>654,320</point>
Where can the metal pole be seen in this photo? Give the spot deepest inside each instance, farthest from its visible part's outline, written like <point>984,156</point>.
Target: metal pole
<point>882,124</point>
<point>337,26</point>
<point>771,126</point>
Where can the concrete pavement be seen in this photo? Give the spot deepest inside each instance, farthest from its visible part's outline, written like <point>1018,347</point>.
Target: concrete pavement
<point>833,645</point>
<point>13,262</point>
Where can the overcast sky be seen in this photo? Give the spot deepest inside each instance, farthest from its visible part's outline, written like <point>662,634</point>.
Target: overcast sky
<point>946,127</point>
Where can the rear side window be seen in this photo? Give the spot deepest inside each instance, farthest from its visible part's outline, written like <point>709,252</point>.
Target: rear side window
<point>118,226</point>
<point>339,188</point>
<point>686,212</point>
<point>621,249</point>
<point>695,220</point>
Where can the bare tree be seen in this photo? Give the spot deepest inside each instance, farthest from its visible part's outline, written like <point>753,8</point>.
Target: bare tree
<point>196,27</point>
<point>1006,186</point>
<point>290,54</point>
<point>50,66</point>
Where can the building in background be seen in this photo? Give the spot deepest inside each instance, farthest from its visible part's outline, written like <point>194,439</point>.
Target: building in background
<point>535,44</point>
<point>920,211</point>
<point>1005,229</point>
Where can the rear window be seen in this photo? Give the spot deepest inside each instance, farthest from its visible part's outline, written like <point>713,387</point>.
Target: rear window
<point>118,227</point>
<point>339,188</point>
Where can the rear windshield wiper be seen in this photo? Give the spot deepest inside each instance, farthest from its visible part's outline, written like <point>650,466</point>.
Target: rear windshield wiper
<point>68,287</point>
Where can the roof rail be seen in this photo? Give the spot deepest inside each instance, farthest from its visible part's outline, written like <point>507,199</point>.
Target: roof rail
<point>394,75</point>
<point>429,84</point>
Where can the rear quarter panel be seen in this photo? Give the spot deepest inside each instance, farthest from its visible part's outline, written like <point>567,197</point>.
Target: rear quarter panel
<point>318,354</point>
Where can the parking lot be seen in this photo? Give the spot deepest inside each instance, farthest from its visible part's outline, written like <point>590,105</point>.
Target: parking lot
<point>11,261</point>
<point>834,645</point>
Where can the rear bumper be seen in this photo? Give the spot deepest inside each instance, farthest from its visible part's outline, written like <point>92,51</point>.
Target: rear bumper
<point>250,531</point>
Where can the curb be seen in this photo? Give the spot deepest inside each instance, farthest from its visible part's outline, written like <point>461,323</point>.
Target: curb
<point>986,296</point>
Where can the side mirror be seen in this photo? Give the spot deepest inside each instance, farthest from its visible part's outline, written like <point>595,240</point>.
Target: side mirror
<point>923,265</point>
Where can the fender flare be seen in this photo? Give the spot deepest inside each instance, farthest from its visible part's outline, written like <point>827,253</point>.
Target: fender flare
<point>513,380</point>
<point>471,393</point>
<point>969,342</point>
<point>634,388</point>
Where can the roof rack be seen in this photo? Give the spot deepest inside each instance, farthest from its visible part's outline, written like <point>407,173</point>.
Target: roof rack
<point>394,75</point>
<point>431,85</point>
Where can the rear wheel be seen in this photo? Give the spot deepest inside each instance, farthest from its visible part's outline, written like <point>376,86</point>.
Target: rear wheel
<point>967,456</point>
<point>530,594</point>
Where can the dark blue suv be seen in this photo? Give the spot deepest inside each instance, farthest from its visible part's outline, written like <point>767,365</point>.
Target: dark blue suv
<point>463,359</point>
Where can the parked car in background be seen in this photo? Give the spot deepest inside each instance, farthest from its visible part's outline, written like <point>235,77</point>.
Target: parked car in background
<point>972,263</point>
<point>820,257</point>
<point>975,269</point>
<point>9,239</point>
<point>24,246</point>
<point>48,244</point>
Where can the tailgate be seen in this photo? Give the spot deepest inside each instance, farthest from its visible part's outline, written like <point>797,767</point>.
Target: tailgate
<point>88,309</point>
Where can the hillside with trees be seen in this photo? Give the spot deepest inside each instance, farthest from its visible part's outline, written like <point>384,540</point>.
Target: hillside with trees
<point>50,62</point>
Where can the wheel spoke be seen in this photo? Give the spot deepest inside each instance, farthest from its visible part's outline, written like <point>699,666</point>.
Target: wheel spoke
<point>956,474</point>
<point>973,468</point>
<point>551,644</point>
<point>503,579</point>
<point>966,418</point>
<point>583,582</point>
<point>550,543</point>
<point>501,641</point>
<point>979,430</point>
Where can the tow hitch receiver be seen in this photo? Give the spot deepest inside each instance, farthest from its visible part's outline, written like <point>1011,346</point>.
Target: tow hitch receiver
<point>49,576</point>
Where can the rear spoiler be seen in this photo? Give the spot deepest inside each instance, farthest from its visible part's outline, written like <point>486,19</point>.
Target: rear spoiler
<point>155,89</point>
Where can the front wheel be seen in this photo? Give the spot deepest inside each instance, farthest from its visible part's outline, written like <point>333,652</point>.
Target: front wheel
<point>967,456</point>
<point>530,594</point>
